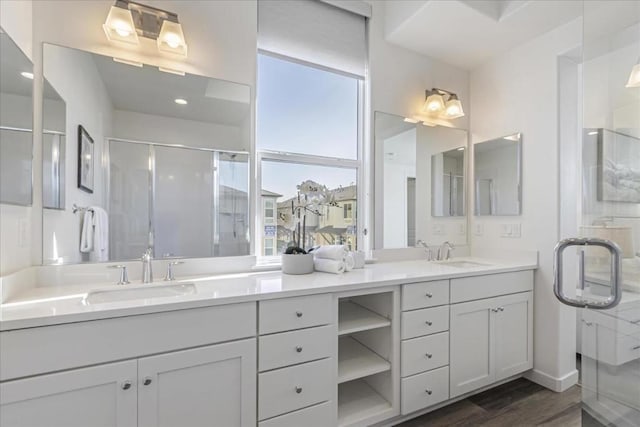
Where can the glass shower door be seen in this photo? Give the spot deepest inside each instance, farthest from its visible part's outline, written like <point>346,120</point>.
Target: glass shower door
<point>599,272</point>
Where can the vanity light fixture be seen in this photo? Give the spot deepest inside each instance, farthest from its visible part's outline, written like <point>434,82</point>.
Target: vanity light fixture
<point>127,20</point>
<point>27,75</point>
<point>634,77</point>
<point>180,101</point>
<point>435,104</point>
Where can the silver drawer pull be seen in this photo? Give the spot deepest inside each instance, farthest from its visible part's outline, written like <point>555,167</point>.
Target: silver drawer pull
<point>587,322</point>
<point>299,349</point>
<point>299,313</point>
<point>429,392</point>
<point>428,323</point>
<point>298,390</point>
<point>126,385</point>
<point>500,308</point>
<point>635,347</point>
<point>494,310</point>
<point>428,295</point>
<point>146,381</point>
<point>429,355</point>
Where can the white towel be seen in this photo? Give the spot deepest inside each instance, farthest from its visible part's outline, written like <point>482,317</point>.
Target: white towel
<point>86,234</point>
<point>94,237</point>
<point>349,262</point>
<point>100,234</point>
<point>334,252</point>
<point>329,265</point>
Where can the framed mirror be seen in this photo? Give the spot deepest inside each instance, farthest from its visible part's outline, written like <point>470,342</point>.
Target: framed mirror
<point>16,124</point>
<point>420,183</point>
<point>498,176</point>
<point>146,159</point>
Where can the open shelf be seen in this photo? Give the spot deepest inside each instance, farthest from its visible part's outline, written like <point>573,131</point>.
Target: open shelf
<point>357,401</point>
<point>355,318</point>
<point>357,361</point>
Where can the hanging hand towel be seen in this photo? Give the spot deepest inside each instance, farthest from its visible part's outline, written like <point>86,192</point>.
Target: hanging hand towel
<point>334,252</point>
<point>100,234</point>
<point>328,265</point>
<point>86,234</point>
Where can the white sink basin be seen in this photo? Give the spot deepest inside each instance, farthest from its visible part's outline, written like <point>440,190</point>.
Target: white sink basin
<point>142,292</point>
<point>462,264</point>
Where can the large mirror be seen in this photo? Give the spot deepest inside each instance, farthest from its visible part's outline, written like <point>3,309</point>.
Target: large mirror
<point>16,124</point>
<point>146,159</point>
<point>497,169</point>
<point>420,183</point>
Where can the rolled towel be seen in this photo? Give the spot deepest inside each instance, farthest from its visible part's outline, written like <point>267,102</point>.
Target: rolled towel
<point>329,265</point>
<point>349,262</point>
<point>334,252</point>
<point>358,257</point>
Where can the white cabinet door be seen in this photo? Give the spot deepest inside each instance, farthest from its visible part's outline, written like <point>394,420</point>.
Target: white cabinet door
<point>471,340</point>
<point>513,334</point>
<point>206,386</point>
<point>103,395</point>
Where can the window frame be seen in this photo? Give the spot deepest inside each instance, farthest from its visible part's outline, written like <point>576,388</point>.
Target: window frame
<point>362,185</point>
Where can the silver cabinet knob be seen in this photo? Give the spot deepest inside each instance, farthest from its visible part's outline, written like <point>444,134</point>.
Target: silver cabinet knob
<point>428,295</point>
<point>299,349</point>
<point>126,385</point>
<point>298,389</point>
<point>428,323</point>
<point>146,381</point>
<point>429,392</point>
<point>298,313</point>
<point>500,308</point>
<point>494,310</point>
<point>429,355</point>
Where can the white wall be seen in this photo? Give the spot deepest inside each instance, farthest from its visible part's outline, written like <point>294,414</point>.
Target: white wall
<point>518,92</point>
<point>75,77</point>
<point>397,170</point>
<point>398,80</point>
<point>15,221</point>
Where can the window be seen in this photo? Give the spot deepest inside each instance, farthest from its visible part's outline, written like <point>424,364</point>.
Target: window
<point>269,213</point>
<point>307,131</point>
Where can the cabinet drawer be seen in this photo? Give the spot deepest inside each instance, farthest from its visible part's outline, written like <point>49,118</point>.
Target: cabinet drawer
<point>490,285</point>
<point>321,415</point>
<point>290,348</point>
<point>425,294</point>
<point>424,354</point>
<point>287,314</point>
<point>427,321</point>
<point>296,387</point>
<point>424,390</point>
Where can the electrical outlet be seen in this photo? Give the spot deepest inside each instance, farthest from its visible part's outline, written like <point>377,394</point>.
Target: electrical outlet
<point>462,229</point>
<point>478,229</point>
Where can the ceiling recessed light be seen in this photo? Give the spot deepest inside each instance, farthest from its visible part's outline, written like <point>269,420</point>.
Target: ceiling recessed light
<point>181,101</point>
<point>27,75</point>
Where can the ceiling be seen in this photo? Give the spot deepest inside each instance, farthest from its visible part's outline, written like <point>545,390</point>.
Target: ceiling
<point>148,90</point>
<point>467,33</point>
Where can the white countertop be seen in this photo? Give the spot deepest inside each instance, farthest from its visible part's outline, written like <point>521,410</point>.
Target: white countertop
<point>51,305</point>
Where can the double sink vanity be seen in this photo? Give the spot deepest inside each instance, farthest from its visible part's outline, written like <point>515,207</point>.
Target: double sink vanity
<point>372,346</point>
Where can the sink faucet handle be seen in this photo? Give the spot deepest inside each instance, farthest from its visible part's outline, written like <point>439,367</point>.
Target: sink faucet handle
<point>169,276</point>
<point>124,277</point>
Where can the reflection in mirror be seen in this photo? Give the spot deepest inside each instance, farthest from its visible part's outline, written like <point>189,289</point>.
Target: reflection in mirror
<point>448,183</point>
<point>16,123</point>
<point>497,176</point>
<point>423,181</point>
<point>53,148</point>
<point>169,169</point>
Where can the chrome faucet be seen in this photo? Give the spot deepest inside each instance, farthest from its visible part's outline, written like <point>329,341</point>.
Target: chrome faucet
<point>427,249</point>
<point>444,252</point>
<point>147,271</point>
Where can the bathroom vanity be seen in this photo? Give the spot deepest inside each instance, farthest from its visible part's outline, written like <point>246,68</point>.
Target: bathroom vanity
<point>373,346</point>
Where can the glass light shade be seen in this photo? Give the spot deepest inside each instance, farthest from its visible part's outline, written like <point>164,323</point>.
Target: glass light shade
<point>119,26</point>
<point>453,109</point>
<point>433,104</point>
<point>171,38</point>
<point>634,77</point>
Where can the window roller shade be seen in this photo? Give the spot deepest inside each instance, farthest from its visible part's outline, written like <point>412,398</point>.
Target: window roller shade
<point>313,32</point>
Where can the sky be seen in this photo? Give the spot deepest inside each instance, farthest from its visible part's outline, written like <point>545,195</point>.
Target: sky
<point>305,110</point>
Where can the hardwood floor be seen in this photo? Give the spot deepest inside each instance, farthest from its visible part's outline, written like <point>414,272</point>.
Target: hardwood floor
<point>517,403</point>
